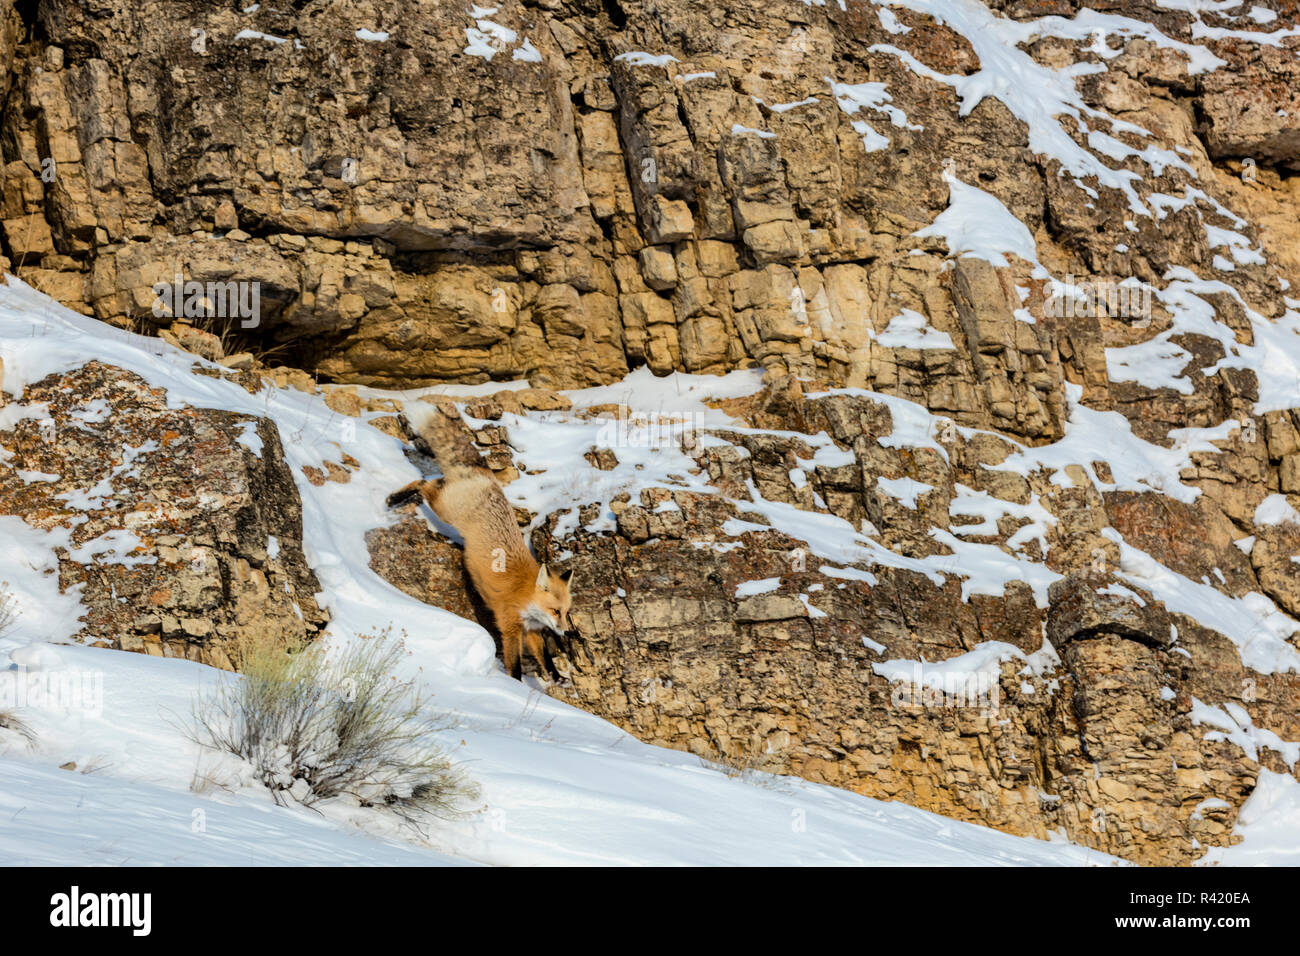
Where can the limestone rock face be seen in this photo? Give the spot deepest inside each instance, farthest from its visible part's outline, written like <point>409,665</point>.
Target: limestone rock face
<point>566,190</point>
<point>181,526</point>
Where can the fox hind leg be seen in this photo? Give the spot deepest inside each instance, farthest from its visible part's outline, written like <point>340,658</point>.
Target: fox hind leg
<point>430,491</point>
<point>405,495</point>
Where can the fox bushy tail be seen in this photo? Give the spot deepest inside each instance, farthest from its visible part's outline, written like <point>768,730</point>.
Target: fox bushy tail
<point>444,435</point>
<point>441,433</point>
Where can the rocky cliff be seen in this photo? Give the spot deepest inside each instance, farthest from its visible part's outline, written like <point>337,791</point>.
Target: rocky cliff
<point>180,528</point>
<point>566,190</point>
<point>1007,528</point>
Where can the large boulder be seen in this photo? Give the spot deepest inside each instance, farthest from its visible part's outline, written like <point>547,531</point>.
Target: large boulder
<point>181,526</point>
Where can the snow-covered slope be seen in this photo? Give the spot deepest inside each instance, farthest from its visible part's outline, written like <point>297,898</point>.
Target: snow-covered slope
<point>558,785</point>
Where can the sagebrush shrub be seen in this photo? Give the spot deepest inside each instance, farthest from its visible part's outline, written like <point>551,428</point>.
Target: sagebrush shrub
<point>317,725</point>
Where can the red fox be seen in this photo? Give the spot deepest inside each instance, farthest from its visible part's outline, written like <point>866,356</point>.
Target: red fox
<point>525,599</point>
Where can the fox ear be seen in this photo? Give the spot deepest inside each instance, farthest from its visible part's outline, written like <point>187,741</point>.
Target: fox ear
<point>543,579</point>
<point>567,577</point>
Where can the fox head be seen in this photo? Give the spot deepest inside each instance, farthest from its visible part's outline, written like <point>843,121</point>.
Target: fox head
<point>549,607</point>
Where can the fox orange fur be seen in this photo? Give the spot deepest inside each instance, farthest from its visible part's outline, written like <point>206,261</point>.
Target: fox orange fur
<point>525,599</point>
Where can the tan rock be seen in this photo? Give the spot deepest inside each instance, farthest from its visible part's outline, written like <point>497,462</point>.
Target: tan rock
<point>658,268</point>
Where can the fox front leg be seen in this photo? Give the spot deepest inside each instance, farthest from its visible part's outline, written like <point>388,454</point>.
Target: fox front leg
<point>510,641</point>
